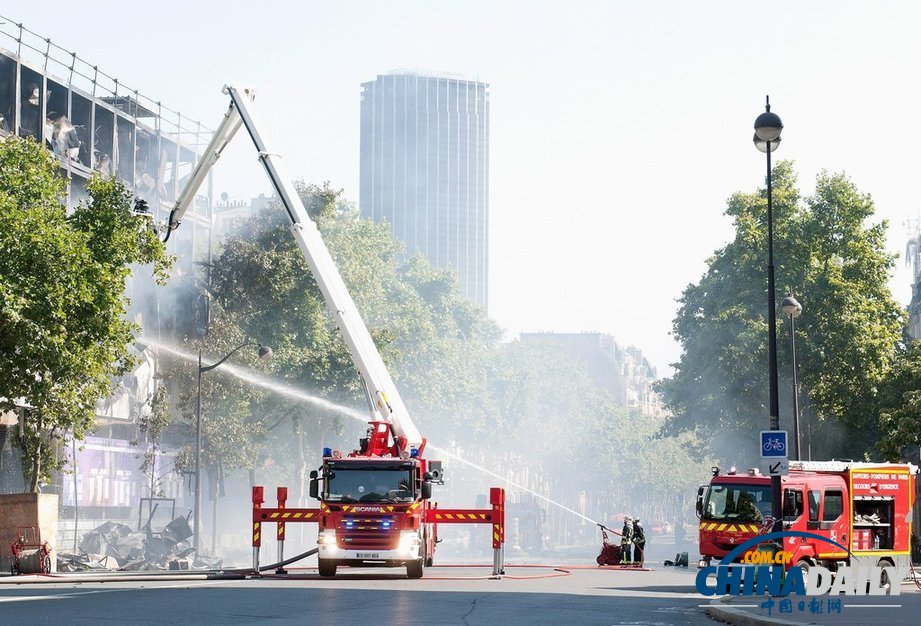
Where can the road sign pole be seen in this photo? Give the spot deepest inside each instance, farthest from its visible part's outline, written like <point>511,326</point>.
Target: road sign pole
<point>774,450</point>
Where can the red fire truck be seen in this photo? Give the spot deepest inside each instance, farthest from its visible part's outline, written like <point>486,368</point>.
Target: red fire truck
<point>866,507</point>
<point>374,505</point>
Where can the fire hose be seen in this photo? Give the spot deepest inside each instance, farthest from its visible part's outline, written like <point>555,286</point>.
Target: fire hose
<point>289,561</point>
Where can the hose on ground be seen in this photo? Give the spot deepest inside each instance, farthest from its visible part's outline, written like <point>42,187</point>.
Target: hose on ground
<point>289,561</point>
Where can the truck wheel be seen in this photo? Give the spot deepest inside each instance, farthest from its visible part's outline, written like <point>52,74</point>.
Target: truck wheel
<point>429,561</point>
<point>804,567</point>
<point>327,567</point>
<point>414,569</point>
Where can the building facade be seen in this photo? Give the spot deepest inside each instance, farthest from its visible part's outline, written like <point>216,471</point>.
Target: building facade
<point>425,169</point>
<point>93,124</point>
<point>622,371</point>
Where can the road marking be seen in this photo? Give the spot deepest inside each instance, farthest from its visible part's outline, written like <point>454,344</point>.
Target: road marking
<point>77,594</point>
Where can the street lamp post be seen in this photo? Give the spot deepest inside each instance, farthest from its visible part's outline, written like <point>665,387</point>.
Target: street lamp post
<point>793,308</point>
<point>265,353</point>
<point>767,138</point>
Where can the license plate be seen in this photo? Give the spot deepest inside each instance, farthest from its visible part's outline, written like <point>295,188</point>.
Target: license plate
<point>368,555</point>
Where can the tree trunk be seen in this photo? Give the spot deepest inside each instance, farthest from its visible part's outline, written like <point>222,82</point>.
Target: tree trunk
<point>214,524</point>
<point>36,467</point>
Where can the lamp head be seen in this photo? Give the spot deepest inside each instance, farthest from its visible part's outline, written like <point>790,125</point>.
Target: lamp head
<point>768,125</point>
<point>791,307</point>
<point>763,145</point>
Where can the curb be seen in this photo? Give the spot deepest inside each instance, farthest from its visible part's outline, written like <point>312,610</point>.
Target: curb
<point>112,577</point>
<point>741,617</point>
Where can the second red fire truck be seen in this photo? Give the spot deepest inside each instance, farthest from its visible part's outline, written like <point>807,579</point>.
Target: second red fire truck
<point>866,507</point>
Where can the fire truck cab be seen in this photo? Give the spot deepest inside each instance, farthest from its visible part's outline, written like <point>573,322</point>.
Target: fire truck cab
<point>866,507</point>
<point>373,512</point>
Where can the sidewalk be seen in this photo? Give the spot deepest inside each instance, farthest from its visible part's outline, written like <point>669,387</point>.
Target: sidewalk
<point>901,610</point>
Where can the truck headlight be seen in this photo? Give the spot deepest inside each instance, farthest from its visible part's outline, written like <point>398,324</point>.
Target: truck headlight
<point>327,538</point>
<point>409,543</point>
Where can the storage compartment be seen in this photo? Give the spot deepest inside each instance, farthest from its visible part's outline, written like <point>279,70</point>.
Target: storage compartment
<point>873,523</point>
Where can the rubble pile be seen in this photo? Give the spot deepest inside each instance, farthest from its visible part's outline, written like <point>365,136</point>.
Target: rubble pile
<point>116,547</point>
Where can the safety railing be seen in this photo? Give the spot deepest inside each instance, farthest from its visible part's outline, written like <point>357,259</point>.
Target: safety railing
<point>281,515</point>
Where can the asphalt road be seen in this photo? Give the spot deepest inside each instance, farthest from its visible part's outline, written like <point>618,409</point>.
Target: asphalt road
<point>839,610</point>
<point>446,595</point>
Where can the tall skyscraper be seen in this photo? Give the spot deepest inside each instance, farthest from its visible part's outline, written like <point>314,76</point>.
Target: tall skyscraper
<point>425,169</point>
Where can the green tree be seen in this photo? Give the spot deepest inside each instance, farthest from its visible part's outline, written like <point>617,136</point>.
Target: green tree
<point>431,337</point>
<point>63,332</point>
<point>231,427</point>
<point>900,404</point>
<point>152,424</point>
<point>834,260</point>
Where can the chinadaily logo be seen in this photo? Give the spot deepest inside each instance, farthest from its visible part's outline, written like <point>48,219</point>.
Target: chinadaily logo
<point>759,567</point>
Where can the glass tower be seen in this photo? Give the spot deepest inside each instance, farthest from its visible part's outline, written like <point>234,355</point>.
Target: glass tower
<point>425,169</point>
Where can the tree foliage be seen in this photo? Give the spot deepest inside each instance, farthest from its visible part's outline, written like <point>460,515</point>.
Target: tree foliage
<point>505,405</point>
<point>429,335</point>
<point>900,404</point>
<point>63,331</point>
<point>829,254</point>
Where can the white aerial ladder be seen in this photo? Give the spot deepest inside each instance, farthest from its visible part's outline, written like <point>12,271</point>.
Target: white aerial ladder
<point>387,405</point>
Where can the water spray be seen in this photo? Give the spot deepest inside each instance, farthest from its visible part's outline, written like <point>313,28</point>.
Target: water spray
<point>269,384</point>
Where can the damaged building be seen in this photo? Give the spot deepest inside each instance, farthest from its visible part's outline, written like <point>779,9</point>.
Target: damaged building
<point>94,124</point>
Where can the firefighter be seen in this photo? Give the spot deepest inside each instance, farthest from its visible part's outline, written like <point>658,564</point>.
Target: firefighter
<point>626,542</point>
<point>639,542</point>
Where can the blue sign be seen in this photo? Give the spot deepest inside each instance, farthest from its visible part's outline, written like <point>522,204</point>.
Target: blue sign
<point>773,444</point>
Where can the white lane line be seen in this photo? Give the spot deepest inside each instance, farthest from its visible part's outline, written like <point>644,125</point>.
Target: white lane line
<point>77,594</point>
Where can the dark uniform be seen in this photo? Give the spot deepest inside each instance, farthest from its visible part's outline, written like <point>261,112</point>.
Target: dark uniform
<point>626,542</point>
<point>639,542</point>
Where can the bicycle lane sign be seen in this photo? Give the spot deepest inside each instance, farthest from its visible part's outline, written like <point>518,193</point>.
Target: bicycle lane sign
<point>773,444</point>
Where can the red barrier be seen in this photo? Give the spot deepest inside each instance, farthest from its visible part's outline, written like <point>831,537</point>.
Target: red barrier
<point>280,515</point>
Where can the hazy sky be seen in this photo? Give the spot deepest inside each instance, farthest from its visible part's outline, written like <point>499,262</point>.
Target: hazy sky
<point>618,129</point>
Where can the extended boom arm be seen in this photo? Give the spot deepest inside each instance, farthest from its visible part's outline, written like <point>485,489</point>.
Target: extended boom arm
<point>380,387</point>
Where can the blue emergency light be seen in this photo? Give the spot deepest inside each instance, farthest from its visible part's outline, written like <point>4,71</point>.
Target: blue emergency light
<point>413,452</point>
<point>327,451</point>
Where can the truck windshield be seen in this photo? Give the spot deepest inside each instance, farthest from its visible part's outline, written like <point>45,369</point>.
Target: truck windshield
<point>738,502</point>
<point>369,485</point>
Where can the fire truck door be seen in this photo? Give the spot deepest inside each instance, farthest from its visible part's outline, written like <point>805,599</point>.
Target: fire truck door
<point>834,522</point>
<point>793,510</point>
